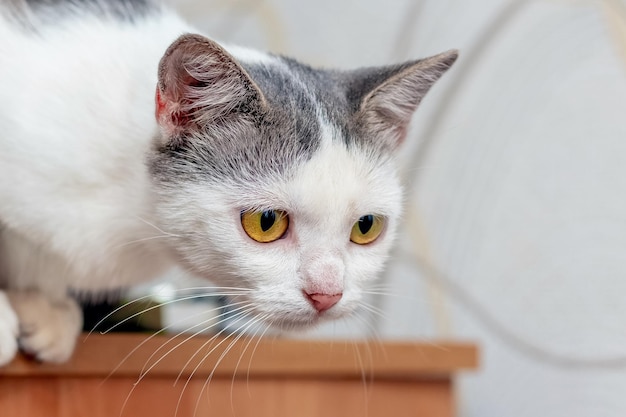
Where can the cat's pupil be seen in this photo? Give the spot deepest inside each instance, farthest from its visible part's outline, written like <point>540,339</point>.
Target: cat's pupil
<point>268,218</point>
<point>365,223</point>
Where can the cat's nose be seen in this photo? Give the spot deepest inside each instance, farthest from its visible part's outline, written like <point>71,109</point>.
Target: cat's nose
<point>323,302</point>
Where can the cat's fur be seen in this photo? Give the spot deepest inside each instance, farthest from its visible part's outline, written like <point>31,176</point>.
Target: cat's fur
<point>98,190</point>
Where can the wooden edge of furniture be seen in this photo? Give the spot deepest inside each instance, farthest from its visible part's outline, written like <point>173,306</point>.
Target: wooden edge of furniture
<point>116,355</point>
<point>159,376</point>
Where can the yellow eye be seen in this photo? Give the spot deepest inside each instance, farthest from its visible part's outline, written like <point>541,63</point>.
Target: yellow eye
<point>265,226</point>
<point>367,229</point>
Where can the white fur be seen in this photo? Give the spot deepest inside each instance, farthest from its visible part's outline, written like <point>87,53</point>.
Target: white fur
<point>74,183</point>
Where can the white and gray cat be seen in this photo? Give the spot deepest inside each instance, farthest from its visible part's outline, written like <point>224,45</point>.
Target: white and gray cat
<point>129,144</point>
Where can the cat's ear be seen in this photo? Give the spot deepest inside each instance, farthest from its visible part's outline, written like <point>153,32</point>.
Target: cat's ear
<point>201,84</point>
<point>387,97</point>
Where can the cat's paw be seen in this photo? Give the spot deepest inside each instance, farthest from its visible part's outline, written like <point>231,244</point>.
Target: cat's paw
<point>8,331</point>
<point>47,329</point>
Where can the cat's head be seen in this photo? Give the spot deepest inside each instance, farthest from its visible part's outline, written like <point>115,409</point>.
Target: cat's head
<point>279,180</point>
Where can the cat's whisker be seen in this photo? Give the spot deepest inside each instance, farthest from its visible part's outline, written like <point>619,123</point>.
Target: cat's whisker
<point>242,331</point>
<point>370,358</point>
<point>374,310</point>
<point>380,291</point>
<point>391,294</point>
<point>380,287</point>
<point>154,307</point>
<point>384,288</point>
<point>145,239</point>
<point>383,293</point>
<point>121,307</point>
<point>224,317</point>
<point>250,339</point>
<point>267,327</point>
<point>365,322</point>
<point>428,301</point>
<point>155,226</point>
<point>363,373</point>
<point>240,317</point>
<point>143,374</point>
<point>162,330</point>
<point>236,291</point>
<point>373,333</point>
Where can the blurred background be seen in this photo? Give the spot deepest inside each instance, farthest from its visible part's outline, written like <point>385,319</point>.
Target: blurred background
<point>515,223</point>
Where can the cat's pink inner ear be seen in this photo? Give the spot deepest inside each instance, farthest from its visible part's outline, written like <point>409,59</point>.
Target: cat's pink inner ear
<point>167,115</point>
<point>388,108</point>
<point>199,84</point>
<point>160,111</point>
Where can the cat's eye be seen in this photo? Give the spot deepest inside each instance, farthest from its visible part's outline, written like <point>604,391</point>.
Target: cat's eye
<point>367,229</point>
<point>265,226</point>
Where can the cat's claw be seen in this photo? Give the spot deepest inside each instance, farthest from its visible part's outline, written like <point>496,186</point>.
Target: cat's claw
<point>47,329</point>
<point>8,330</point>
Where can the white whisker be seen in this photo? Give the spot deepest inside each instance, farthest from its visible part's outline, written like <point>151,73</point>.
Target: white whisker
<point>146,340</point>
<point>237,291</point>
<point>375,310</point>
<point>241,313</point>
<point>224,353</point>
<point>156,227</point>
<point>143,374</point>
<point>267,327</point>
<point>363,375</point>
<point>240,316</point>
<point>224,317</point>
<point>250,339</point>
<point>142,240</point>
<point>163,304</point>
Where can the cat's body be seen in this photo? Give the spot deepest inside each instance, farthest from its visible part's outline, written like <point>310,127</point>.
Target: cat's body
<point>91,109</point>
<point>100,190</point>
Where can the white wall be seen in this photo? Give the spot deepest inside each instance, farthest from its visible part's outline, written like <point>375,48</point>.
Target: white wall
<point>521,199</point>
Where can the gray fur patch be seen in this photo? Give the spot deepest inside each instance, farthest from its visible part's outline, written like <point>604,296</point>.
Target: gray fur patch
<point>334,94</point>
<point>325,89</point>
<point>246,149</point>
<point>242,148</point>
<point>265,142</point>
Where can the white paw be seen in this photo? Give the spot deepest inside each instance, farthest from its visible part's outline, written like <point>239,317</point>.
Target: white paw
<point>8,331</point>
<point>47,329</point>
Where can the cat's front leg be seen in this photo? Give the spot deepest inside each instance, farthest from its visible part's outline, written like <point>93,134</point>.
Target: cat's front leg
<point>8,330</point>
<point>48,328</point>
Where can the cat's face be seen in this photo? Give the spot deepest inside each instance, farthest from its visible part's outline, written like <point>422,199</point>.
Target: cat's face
<point>285,237</point>
<point>278,180</point>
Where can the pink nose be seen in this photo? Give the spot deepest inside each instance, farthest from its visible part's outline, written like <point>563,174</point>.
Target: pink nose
<point>323,302</point>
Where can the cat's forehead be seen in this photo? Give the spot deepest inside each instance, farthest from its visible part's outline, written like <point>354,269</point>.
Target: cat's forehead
<point>300,94</point>
<point>278,75</point>
<point>308,106</point>
<point>304,136</point>
<point>343,179</point>
<point>336,183</point>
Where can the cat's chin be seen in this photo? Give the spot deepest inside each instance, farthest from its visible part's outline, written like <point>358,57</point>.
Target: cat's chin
<point>300,324</point>
<point>292,325</point>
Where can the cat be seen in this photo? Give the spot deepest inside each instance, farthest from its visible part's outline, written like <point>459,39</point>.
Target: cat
<point>131,143</point>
